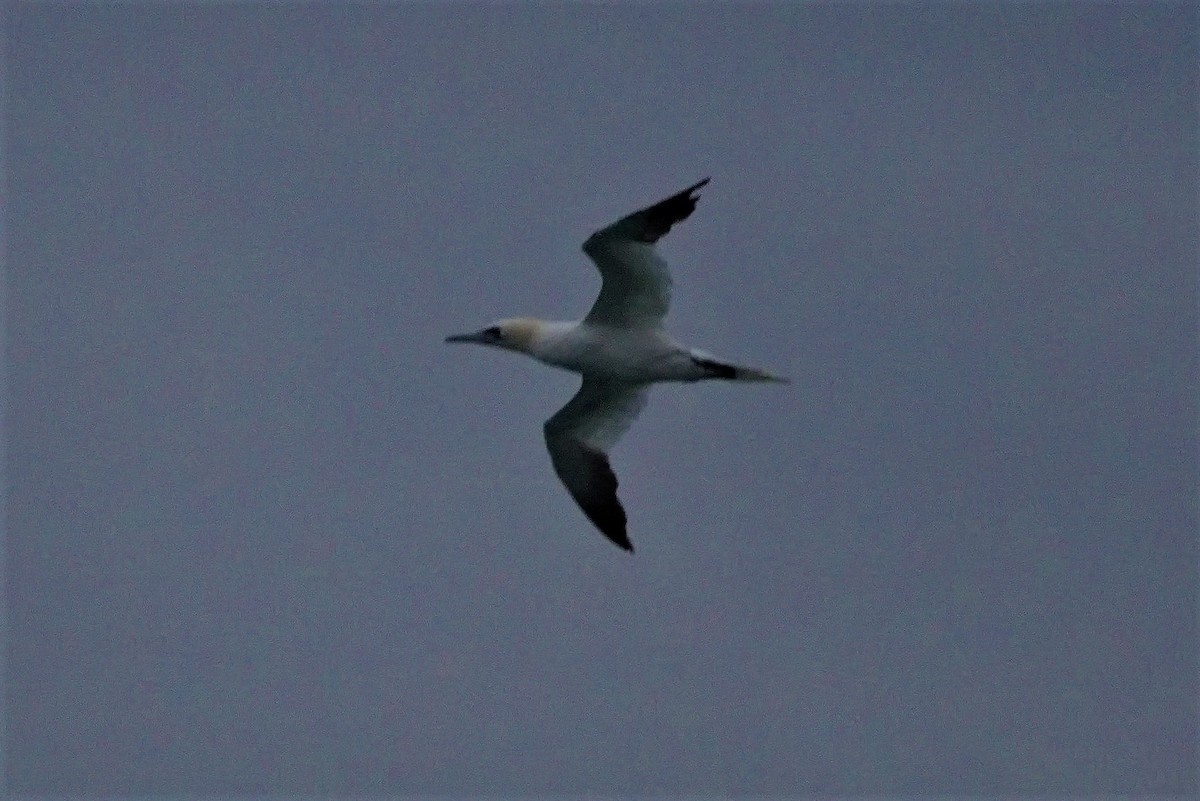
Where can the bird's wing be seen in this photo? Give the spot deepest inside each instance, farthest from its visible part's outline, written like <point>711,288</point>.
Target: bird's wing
<point>637,285</point>
<point>578,437</point>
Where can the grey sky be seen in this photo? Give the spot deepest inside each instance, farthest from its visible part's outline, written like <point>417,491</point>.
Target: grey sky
<point>267,534</point>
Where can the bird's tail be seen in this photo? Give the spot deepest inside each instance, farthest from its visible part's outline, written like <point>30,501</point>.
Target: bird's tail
<point>714,368</point>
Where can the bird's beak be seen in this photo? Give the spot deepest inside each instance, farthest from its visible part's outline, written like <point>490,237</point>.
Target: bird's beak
<point>477,337</point>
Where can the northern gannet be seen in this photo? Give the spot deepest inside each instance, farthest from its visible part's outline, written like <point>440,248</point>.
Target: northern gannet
<point>620,349</point>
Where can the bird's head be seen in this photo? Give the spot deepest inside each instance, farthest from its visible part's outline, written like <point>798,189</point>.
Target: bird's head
<point>515,334</point>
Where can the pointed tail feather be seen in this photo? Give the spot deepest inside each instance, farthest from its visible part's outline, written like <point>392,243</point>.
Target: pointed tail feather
<point>754,374</point>
<point>734,372</point>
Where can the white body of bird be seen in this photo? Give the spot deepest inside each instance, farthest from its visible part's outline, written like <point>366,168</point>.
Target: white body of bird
<point>644,355</point>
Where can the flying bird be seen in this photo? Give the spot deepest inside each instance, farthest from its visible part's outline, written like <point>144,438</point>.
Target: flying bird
<point>620,349</point>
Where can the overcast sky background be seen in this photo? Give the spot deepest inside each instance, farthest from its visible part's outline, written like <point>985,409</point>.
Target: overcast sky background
<point>267,534</point>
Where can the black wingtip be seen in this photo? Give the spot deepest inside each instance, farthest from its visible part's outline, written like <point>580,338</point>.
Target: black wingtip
<point>623,543</point>
<point>690,192</point>
<point>653,222</point>
<point>616,535</point>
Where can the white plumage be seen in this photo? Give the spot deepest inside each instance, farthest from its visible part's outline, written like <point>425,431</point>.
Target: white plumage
<point>619,348</point>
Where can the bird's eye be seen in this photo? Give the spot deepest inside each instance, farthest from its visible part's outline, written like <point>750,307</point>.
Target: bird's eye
<point>494,332</point>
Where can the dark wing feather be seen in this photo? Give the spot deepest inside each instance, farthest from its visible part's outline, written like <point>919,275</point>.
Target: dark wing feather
<point>589,478</point>
<point>579,435</point>
<point>653,222</point>
<point>637,284</point>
